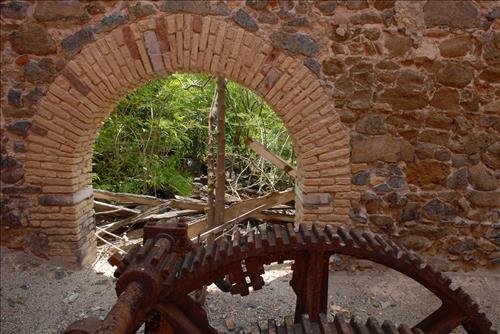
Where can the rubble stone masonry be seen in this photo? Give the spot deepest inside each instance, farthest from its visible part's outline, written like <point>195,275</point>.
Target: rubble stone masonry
<point>393,107</point>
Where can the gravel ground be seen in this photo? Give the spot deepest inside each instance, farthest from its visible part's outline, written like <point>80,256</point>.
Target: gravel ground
<point>39,298</point>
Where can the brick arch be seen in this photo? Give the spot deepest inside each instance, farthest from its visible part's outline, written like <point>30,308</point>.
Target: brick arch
<point>69,117</point>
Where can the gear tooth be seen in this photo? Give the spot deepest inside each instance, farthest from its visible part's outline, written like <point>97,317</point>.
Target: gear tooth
<point>383,243</point>
<point>315,233</point>
<point>357,325</point>
<point>345,236</point>
<point>404,329</point>
<point>198,258</point>
<point>292,236</point>
<point>141,253</point>
<point>167,266</point>
<point>389,327</point>
<point>220,251</point>
<point>373,325</point>
<point>187,263</point>
<point>372,242</point>
<point>303,236</point>
<point>443,279</point>
<point>341,325</point>
<point>259,243</point>
<point>210,249</point>
<point>358,237</point>
<point>277,234</point>
<point>329,233</point>
<point>250,238</point>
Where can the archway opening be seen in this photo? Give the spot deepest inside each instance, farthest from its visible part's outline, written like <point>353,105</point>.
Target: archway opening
<point>157,145</point>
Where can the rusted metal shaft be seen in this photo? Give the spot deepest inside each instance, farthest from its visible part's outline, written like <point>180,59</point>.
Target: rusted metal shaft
<point>127,313</point>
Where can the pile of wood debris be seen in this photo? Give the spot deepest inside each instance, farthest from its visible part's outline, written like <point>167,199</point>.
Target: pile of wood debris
<point>121,216</point>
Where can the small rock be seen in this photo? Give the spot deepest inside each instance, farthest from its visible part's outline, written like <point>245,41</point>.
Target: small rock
<point>189,6</point>
<point>384,4</point>
<point>397,45</point>
<point>14,9</point>
<point>416,242</point>
<point>141,9</point>
<point>382,221</point>
<point>34,95</point>
<point>298,22</point>
<point>40,71</point>
<point>110,22</point>
<point>481,178</point>
<point>257,4</point>
<point>372,124</point>
<point>455,75</point>
<point>245,20</point>
<point>26,286</point>
<point>230,324</point>
<point>59,274</point>
<point>458,180</point>
<point>14,98</point>
<point>484,198</point>
<point>71,298</point>
<point>74,43</point>
<point>445,98</point>
<point>268,17</point>
<point>20,127</point>
<point>455,47</point>
<point>427,172</point>
<point>32,38</point>
<point>333,66</point>
<point>313,65</point>
<point>438,211</point>
<point>366,18</point>
<point>295,43</point>
<point>455,14</point>
<point>68,10</point>
<point>361,178</point>
<point>327,7</point>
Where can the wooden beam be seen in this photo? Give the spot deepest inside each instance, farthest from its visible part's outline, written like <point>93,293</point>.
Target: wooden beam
<point>271,157</point>
<point>138,218</point>
<point>274,217</point>
<point>173,214</point>
<point>221,154</point>
<point>186,203</point>
<point>117,210</point>
<point>241,209</point>
<point>211,161</point>
<point>127,198</point>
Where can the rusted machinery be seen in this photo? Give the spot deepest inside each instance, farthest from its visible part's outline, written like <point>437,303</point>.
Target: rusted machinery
<point>154,281</point>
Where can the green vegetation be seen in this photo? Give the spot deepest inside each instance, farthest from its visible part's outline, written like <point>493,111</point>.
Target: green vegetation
<point>155,140</point>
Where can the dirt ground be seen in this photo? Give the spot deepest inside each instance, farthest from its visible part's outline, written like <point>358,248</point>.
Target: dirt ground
<point>40,298</point>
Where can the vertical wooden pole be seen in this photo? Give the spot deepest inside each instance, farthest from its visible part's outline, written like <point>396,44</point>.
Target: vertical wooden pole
<point>221,152</point>
<point>211,163</point>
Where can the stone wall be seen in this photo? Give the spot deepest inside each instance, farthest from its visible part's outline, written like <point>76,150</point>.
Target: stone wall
<point>393,106</point>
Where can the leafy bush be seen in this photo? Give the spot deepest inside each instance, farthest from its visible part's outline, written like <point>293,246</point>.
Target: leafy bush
<point>155,136</point>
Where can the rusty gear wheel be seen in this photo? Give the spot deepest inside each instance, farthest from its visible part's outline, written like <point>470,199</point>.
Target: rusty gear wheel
<point>236,264</point>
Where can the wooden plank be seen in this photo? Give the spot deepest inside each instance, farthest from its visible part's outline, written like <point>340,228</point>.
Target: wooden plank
<point>173,214</point>
<point>271,157</point>
<point>138,218</point>
<point>103,208</point>
<point>220,189</point>
<point>274,217</point>
<point>188,204</point>
<point>242,208</point>
<point>127,197</point>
